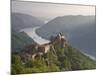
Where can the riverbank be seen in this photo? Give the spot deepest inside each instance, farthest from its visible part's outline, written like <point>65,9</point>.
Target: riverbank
<point>31,32</point>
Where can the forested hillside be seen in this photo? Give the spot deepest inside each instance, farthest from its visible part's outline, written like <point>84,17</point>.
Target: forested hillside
<point>61,57</point>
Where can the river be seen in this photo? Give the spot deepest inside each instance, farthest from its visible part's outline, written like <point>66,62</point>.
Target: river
<point>31,32</point>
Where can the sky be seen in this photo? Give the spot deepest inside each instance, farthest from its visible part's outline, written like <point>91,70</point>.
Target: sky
<point>50,10</point>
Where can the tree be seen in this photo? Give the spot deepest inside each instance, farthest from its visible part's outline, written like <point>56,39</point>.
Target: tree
<point>16,59</point>
<point>17,66</point>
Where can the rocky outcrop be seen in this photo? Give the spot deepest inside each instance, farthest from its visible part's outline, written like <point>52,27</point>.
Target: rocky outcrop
<point>35,50</point>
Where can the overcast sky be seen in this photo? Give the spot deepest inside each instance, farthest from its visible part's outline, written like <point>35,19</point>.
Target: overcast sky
<point>49,10</point>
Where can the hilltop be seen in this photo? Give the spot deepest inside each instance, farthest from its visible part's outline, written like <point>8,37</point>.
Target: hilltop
<point>57,55</point>
<point>20,21</point>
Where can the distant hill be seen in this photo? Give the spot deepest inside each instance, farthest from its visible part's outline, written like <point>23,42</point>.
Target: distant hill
<point>80,30</point>
<point>20,21</point>
<point>20,40</point>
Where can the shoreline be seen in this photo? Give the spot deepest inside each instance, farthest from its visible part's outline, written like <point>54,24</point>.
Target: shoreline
<point>31,32</point>
<point>90,56</point>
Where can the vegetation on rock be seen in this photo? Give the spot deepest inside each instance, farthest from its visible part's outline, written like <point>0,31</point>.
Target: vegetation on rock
<point>59,58</point>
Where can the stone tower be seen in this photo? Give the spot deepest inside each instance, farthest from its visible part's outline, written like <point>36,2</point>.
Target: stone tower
<point>60,36</point>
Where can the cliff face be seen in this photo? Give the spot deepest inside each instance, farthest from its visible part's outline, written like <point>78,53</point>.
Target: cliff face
<point>61,56</point>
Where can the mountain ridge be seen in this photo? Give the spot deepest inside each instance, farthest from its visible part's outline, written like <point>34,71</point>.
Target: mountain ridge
<point>81,31</point>
<point>21,20</point>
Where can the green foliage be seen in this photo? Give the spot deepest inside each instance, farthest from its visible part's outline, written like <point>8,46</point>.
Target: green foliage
<point>13,71</point>
<point>16,59</point>
<point>18,68</point>
<point>64,58</point>
<point>36,66</point>
<point>19,40</point>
